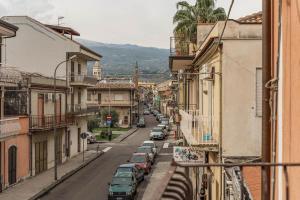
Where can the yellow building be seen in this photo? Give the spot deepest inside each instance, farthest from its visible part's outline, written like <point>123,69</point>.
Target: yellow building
<point>220,98</point>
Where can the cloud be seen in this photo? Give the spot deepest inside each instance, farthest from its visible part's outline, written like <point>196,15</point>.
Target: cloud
<point>43,10</point>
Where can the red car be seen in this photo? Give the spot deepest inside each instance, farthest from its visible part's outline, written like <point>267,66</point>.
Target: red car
<point>142,160</point>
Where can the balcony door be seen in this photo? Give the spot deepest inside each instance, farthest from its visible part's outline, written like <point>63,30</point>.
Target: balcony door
<point>12,165</point>
<point>72,72</point>
<point>41,112</point>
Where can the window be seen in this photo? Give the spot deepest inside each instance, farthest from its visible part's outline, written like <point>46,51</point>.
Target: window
<point>79,69</point>
<point>89,96</point>
<point>99,98</point>
<point>79,97</point>
<point>258,91</point>
<point>72,71</point>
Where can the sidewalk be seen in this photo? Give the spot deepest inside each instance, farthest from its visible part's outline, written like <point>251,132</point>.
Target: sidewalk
<point>34,185</point>
<point>125,135</point>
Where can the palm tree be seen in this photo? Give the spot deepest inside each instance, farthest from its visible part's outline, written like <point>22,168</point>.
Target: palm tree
<point>187,17</point>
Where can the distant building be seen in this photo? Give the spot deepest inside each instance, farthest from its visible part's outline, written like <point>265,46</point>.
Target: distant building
<point>119,96</point>
<point>97,71</point>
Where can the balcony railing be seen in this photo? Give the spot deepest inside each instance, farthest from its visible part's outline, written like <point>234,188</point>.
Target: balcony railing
<point>82,79</point>
<point>46,122</point>
<point>176,184</point>
<point>200,130</point>
<point>79,109</point>
<point>107,102</point>
<point>179,47</point>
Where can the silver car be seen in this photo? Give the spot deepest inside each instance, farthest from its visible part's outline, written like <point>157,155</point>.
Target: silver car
<point>157,133</point>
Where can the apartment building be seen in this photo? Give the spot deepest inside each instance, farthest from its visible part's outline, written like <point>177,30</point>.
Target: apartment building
<point>14,139</point>
<point>38,49</point>
<point>118,96</point>
<point>166,98</point>
<point>220,100</point>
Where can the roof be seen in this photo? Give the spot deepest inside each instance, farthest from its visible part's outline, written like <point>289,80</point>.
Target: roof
<point>8,25</point>
<point>255,18</point>
<point>63,29</point>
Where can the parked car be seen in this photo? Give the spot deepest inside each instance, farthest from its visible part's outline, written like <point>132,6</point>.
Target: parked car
<point>151,144</point>
<point>131,168</point>
<point>142,160</point>
<point>122,186</point>
<point>146,112</point>
<point>157,133</point>
<point>91,138</point>
<point>158,116</point>
<point>165,121</point>
<point>148,150</point>
<point>141,122</point>
<point>155,112</point>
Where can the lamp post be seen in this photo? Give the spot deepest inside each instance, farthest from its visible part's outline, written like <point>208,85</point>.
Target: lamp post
<point>54,123</point>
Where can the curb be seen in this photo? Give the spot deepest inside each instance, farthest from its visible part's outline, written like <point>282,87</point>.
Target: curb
<point>46,190</point>
<point>128,135</point>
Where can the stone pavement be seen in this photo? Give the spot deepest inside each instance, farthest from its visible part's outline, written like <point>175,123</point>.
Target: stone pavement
<point>34,185</point>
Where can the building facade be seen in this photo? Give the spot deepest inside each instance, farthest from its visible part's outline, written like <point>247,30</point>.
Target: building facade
<point>118,96</point>
<point>14,123</point>
<point>215,114</point>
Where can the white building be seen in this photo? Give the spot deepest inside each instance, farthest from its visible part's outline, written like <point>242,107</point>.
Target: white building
<point>97,71</point>
<point>38,49</point>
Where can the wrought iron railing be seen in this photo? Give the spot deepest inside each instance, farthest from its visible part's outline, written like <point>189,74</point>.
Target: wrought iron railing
<point>177,185</point>
<point>39,122</point>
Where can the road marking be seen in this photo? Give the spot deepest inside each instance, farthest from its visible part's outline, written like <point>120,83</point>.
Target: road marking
<point>106,149</point>
<point>166,145</point>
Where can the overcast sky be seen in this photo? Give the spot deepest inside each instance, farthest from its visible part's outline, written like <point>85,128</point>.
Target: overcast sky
<point>141,22</point>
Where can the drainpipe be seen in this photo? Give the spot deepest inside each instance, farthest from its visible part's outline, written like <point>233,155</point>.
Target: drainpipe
<point>266,111</point>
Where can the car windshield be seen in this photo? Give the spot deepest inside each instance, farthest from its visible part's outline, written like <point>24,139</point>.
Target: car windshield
<point>144,150</point>
<point>138,159</point>
<point>165,122</point>
<point>124,169</point>
<point>148,144</point>
<point>121,181</point>
<point>156,130</point>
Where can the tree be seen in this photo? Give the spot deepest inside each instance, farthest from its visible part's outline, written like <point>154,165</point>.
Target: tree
<point>114,115</point>
<point>188,16</point>
<point>92,124</point>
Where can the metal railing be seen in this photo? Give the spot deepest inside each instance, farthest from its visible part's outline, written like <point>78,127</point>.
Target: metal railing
<point>79,109</point>
<point>199,129</point>
<point>177,185</point>
<point>107,102</point>
<point>83,78</point>
<point>38,122</point>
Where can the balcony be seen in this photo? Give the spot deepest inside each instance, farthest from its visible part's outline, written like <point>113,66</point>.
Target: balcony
<point>78,109</point>
<point>116,103</point>
<point>46,122</point>
<point>181,54</point>
<point>201,131</point>
<point>82,80</point>
<point>239,181</point>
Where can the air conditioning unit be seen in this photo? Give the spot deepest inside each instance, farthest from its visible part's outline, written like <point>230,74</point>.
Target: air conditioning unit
<point>208,73</point>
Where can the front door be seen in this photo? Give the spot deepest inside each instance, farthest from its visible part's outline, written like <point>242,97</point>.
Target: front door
<point>40,157</point>
<point>12,165</point>
<point>68,143</point>
<point>58,109</point>
<point>79,139</point>
<point>59,148</point>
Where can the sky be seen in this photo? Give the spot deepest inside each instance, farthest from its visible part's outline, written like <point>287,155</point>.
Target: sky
<point>140,22</point>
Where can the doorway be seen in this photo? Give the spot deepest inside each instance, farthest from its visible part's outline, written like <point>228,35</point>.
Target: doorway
<point>12,165</point>
<point>41,155</point>
<point>79,140</point>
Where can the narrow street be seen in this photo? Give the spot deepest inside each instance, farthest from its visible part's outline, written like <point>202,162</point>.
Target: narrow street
<point>91,182</point>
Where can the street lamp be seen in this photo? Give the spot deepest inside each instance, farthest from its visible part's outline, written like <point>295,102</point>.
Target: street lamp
<point>54,123</point>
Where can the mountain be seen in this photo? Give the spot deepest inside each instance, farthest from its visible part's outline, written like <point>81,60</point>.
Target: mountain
<point>119,59</point>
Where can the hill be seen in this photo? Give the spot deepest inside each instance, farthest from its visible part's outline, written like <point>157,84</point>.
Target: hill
<point>119,59</point>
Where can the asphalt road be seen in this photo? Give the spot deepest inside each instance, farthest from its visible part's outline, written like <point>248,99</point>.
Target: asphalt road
<point>90,183</point>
